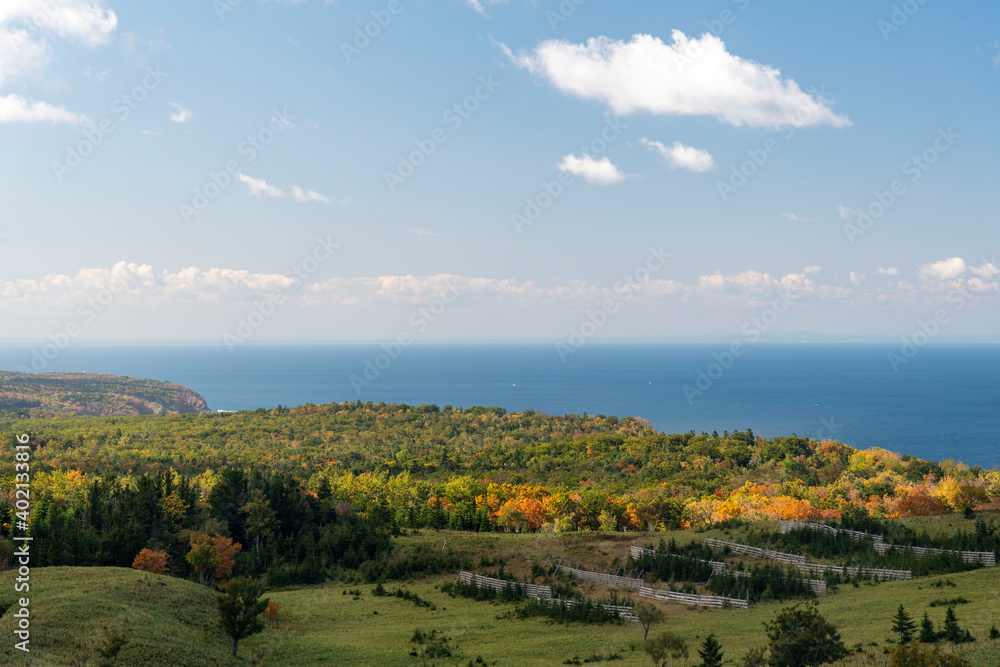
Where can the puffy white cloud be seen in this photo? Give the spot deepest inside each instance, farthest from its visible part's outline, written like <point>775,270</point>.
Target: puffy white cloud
<point>953,274</point>
<point>688,77</point>
<point>890,271</point>
<point>599,172</point>
<point>17,109</point>
<point>946,269</point>
<point>182,115</point>
<point>139,286</point>
<point>24,52</point>
<point>87,21</point>
<point>680,156</point>
<point>986,271</point>
<point>259,188</point>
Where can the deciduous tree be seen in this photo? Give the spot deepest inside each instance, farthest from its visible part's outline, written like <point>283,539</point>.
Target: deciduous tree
<point>152,561</point>
<point>240,608</point>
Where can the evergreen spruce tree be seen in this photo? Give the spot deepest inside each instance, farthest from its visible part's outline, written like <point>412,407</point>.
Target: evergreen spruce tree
<point>903,626</point>
<point>952,632</point>
<point>927,633</point>
<point>710,652</point>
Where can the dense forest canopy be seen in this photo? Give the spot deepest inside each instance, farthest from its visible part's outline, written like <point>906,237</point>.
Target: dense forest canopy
<point>487,468</point>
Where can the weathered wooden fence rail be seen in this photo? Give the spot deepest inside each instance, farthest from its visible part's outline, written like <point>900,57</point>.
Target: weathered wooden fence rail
<point>810,568</point>
<point>602,578</point>
<point>625,612</point>
<point>639,552</point>
<point>984,558</point>
<point>534,590</point>
<point>539,592</point>
<point>757,552</point>
<point>716,601</point>
<point>718,567</point>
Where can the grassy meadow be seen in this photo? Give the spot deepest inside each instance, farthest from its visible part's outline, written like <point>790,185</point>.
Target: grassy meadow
<point>79,614</point>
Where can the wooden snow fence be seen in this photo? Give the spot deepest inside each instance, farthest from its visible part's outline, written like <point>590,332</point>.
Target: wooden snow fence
<point>534,590</point>
<point>715,601</point>
<point>539,592</point>
<point>602,578</point>
<point>718,567</point>
<point>625,612</point>
<point>639,552</point>
<point>984,558</point>
<point>809,568</point>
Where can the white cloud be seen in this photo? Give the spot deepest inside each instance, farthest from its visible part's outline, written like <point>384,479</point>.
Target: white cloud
<point>890,271</point>
<point>810,270</point>
<point>689,77</point>
<point>986,271</point>
<point>478,4</point>
<point>791,217</point>
<point>946,269</point>
<point>259,188</point>
<point>16,109</point>
<point>139,289</point>
<point>599,172</point>
<point>86,21</point>
<point>182,115</point>
<point>846,212</point>
<point>305,196</point>
<point>680,156</point>
<point>25,53</point>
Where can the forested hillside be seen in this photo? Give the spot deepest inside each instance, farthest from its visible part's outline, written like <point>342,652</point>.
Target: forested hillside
<point>69,394</point>
<point>484,468</point>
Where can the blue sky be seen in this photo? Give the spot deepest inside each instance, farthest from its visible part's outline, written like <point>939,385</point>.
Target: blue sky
<point>652,114</point>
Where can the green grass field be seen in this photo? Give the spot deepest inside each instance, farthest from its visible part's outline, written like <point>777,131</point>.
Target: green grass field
<point>172,622</point>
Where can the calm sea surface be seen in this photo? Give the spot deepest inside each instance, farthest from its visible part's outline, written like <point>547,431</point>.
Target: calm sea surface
<point>945,403</point>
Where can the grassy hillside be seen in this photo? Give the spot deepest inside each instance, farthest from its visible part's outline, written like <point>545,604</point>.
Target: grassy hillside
<point>75,394</point>
<point>77,610</point>
<point>172,622</point>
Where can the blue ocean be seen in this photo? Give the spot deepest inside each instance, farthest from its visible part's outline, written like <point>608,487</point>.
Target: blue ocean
<point>942,403</point>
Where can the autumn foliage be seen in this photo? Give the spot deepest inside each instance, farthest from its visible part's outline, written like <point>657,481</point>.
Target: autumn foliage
<point>151,561</point>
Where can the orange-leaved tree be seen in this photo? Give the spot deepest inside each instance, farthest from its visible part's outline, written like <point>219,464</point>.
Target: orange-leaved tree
<point>212,555</point>
<point>149,560</point>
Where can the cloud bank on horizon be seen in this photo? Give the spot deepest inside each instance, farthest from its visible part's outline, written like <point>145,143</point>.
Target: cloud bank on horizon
<point>536,154</point>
